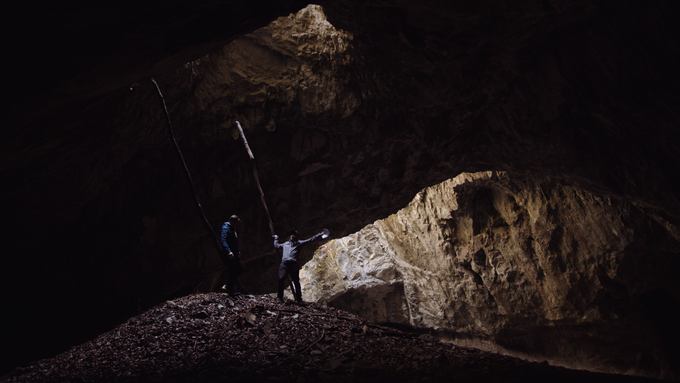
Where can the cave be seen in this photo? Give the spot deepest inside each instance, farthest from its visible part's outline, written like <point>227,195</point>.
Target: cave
<point>349,116</point>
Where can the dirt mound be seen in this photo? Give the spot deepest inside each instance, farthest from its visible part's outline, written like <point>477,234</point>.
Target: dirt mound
<point>212,337</point>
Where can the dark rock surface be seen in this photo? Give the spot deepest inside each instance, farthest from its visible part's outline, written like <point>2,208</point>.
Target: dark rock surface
<point>98,217</point>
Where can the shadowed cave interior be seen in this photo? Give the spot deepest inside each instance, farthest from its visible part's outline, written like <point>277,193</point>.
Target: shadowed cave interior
<point>540,140</point>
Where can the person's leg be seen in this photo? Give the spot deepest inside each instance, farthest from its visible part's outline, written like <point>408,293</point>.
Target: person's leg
<point>298,292</point>
<point>231,278</point>
<point>282,281</point>
<point>294,271</point>
<point>238,269</point>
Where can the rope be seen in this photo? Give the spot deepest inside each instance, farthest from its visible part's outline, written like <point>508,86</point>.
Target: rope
<point>218,246</point>
<point>257,179</point>
<point>259,187</point>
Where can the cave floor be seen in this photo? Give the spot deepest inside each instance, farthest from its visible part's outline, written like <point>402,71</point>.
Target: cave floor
<point>214,338</point>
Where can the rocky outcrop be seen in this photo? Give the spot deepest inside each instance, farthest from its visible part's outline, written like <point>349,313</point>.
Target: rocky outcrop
<point>523,263</point>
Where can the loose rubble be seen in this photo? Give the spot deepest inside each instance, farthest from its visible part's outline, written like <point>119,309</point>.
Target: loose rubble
<point>215,338</point>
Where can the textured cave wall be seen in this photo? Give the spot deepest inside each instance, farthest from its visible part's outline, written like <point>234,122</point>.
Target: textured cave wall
<point>523,263</point>
<point>283,84</point>
<point>120,231</point>
<point>346,127</point>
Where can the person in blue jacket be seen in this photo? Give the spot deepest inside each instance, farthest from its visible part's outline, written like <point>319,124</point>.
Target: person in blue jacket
<point>289,261</point>
<point>229,240</point>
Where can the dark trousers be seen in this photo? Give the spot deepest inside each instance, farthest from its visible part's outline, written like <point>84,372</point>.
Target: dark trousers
<point>234,269</point>
<point>293,269</point>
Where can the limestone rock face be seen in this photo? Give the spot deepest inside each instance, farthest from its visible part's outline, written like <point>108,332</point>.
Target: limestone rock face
<point>519,262</point>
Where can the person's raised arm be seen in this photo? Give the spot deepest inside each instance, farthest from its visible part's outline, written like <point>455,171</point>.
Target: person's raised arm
<point>277,245</point>
<point>311,239</point>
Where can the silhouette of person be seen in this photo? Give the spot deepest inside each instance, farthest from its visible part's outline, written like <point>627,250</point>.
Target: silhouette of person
<point>289,261</point>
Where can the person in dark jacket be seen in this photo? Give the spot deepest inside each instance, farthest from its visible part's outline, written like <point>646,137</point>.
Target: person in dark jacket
<point>229,240</point>
<point>289,261</point>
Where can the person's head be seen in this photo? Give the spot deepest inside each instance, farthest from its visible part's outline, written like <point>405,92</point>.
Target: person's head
<point>234,220</point>
<point>294,235</point>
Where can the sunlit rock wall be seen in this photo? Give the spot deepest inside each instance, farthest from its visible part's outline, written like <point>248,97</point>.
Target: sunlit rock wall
<point>525,264</point>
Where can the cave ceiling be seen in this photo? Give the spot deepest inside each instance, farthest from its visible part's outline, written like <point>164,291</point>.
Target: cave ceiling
<point>95,202</point>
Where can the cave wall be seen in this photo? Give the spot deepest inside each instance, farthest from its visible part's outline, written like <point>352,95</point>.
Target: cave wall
<point>346,126</point>
<point>120,232</point>
<point>522,263</point>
